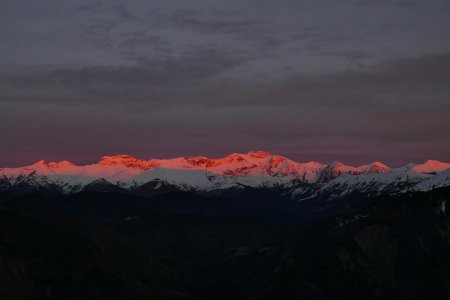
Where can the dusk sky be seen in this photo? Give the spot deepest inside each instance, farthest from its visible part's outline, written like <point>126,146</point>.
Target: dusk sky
<point>352,80</point>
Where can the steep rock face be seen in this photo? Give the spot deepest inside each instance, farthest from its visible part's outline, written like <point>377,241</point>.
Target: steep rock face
<point>336,169</point>
<point>156,187</point>
<point>439,180</point>
<point>127,161</point>
<point>4,183</point>
<point>102,186</point>
<point>370,184</point>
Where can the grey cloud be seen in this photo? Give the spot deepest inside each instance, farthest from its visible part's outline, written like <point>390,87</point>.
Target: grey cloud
<point>353,54</point>
<point>417,87</point>
<point>316,40</point>
<point>104,19</point>
<point>99,32</point>
<point>195,21</point>
<point>139,38</point>
<point>199,77</point>
<point>150,80</point>
<point>134,43</point>
<point>415,81</point>
<point>356,58</point>
<point>175,31</point>
<point>397,3</point>
<point>99,7</point>
<point>320,41</point>
<point>233,28</point>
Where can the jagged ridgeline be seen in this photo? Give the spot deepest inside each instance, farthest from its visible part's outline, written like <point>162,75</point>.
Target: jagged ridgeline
<point>236,171</point>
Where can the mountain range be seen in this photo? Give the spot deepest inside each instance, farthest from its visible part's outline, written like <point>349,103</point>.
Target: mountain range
<point>258,169</point>
<point>246,226</point>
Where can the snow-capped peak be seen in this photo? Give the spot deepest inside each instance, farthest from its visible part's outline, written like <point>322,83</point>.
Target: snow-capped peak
<point>127,161</point>
<point>259,154</point>
<point>334,170</point>
<point>430,167</point>
<point>61,164</point>
<point>375,167</point>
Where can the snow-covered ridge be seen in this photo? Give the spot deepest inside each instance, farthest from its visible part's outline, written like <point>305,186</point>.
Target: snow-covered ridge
<point>252,169</point>
<point>439,180</point>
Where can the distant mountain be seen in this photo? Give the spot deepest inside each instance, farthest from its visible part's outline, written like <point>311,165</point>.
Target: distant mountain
<point>236,171</point>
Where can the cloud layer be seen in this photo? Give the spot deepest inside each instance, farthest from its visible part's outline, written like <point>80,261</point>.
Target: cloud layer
<point>358,81</point>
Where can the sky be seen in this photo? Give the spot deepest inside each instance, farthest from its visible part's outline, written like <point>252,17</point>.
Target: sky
<point>353,80</point>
